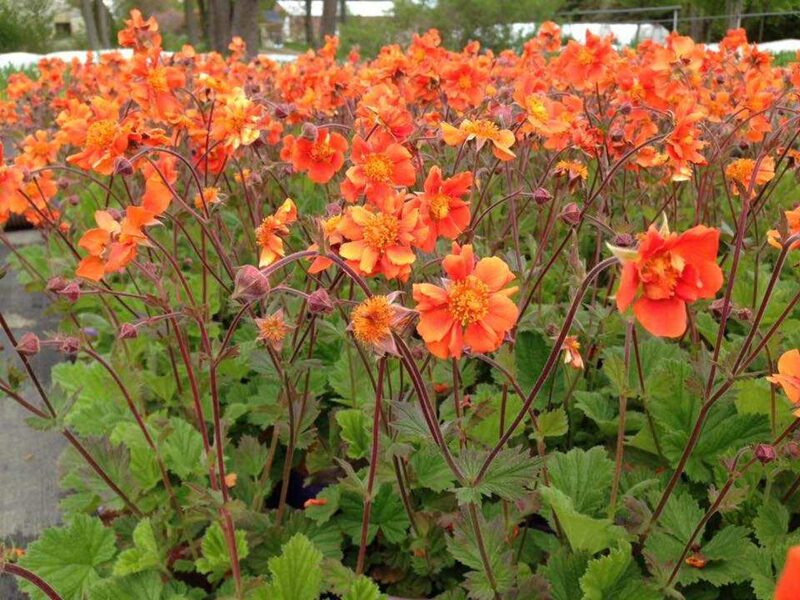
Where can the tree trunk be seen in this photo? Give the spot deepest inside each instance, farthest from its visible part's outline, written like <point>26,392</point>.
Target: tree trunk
<point>219,24</point>
<point>328,25</point>
<point>87,10</point>
<point>190,20</point>
<point>734,13</point>
<point>245,24</point>
<point>342,11</point>
<point>103,24</point>
<point>309,26</point>
<point>695,25</point>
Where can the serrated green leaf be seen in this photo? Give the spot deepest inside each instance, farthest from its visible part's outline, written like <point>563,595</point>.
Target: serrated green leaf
<point>363,589</point>
<point>563,572</point>
<point>216,559</point>
<point>355,431</point>
<point>296,573</point>
<point>430,470</point>
<point>583,532</point>
<point>387,514</point>
<point>615,576</point>
<point>70,558</point>
<point>140,586</point>
<point>183,449</point>
<point>144,554</point>
<point>322,513</point>
<point>584,476</point>
<point>552,423</point>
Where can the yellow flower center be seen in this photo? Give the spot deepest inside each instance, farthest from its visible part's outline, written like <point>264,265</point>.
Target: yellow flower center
<point>468,300</point>
<point>660,275</point>
<point>100,134</point>
<point>157,79</point>
<point>585,57</point>
<point>330,225</point>
<point>482,128</point>
<point>266,231</point>
<point>381,231</point>
<point>741,170</point>
<point>536,108</point>
<point>378,167</point>
<point>372,320</point>
<point>272,329</point>
<point>321,151</point>
<point>465,82</point>
<point>439,207</point>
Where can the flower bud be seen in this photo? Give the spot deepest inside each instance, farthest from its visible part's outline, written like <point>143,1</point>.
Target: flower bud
<point>571,214</point>
<point>69,345</point>
<point>744,314</point>
<point>122,166</point>
<point>127,331</point>
<point>320,303</point>
<point>89,332</point>
<point>74,199</point>
<point>718,308</point>
<point>542,196</point>
<point>625,108</point>
<point>309,131</point>
<point>56,284</point>
<point>624,240</point>
<point>250,284</point>
<point>283,110</point>
<point>765,453</point>
<point>71,291</point>
<point>28,344</point>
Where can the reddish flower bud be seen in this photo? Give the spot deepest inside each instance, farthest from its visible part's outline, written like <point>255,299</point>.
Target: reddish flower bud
<point>309,131</point>
<point>71,291</point>
<point>744,314</point>
<point>542,196</point>
<point>56,284</point>
<point>28,344</point>
<point>69,345</point>
<point>122,166</point>
<point>320,303</point>
<point>127,331</point>
<point>283,110</point>
<point>571,214</point>
<point>765,453</point>
<point>718,308</point>
<point>624,240</point>
<point>250,284</point>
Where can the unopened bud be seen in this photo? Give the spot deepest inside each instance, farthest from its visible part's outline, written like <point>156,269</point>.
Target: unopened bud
<point>28,344</point>
<point>250,284</point>
<point>571,214</point>
<point>283,110</point>
<point>744,314</point>
<point>70,345</point>
<point>320,303</point>
<point>542,196</point>
<point>718,308</point>
<point>74,199</point>
<point>309,131</point>
<point>127,331</point>
<point>765,453</point>
<point>56,284</point>
<point>122,166</point>
<point>624,240</point>
<point>625,108</point>
<point>71,291</point>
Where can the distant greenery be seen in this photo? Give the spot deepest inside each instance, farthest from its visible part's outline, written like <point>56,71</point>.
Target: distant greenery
<point>25,26</point>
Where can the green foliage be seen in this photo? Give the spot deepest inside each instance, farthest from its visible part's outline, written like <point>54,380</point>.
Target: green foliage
<point>295,574</point>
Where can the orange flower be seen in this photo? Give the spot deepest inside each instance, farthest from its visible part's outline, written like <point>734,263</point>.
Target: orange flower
<point>153,87</point>
<point>237,120</point>
<point>740,173</point>
<point>112,245</point>
<point>379,165</point>
<point>380,240</point>
<point>793,223</point>
<point>11,201</point>
<point>102,136</point>
<point>666,272</point>
<point>38,150</point>
<point>575,172</point>
<point>138,33</point>
<point>472,310</point>
<point>788,587</point>
<point>441,208</point>
<point>375,319</point>
<point>572,352</point>
<point>208,198</point>
<point>315,502</point>
<point>269,232</point>
<point>481,131</point>
<point>788,377</point>
<point>321,158</point>
<point>333,238</point>
<point>273,329</point>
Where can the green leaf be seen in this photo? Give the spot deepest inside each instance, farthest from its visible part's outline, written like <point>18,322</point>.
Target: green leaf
<point>615,576</point>
<point>531,351</point>
<point>98,403</point>
<point>583,532</point>
<point>486,413</point>
<point>140,586</point>
<point>355,430</point>
<point>349,379</point>
<point>509,475</point>
<point>296,573</point>
<point>216,560</point>
<point>464,548</point>
<point>144,554</point>
<point>409,421</point>
<point>322,514</point>
<point>430,470</point>
<point>183,449</point>
<point>563,571</point>
<point>70,558</point>
<point>584,476</point>
<point>363,589</point>
<point>552,423</point>
<point>387,515</point>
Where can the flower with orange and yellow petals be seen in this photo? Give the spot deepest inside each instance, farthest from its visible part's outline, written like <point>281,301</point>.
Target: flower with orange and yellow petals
<point>788,377</point>
<point>11,201</point>
<point>481,131</point>
<point>237,120</point>
<point>208,198</point>
<point>740,173</point>
<point>572,352</point>
<point>139,34</point>
<point>793,225</point>
<point>101,135</point>
<point>333,239</point>
<point>269,233</point>
<point>273,329</point>
<point>441,207</point>
<point>380,240</point>
<point>38,150</point>
<point>473,309</point>
<point>320,158</point>
<point>379,166</point>
<point>375,320</point>
<point>153,87</point>
<point>665,273</point>
<point>788,587</point>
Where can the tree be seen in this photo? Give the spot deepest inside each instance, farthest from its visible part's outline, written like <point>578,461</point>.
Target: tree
<point>25,25</point>
<point>328,23</point>
<point>228,18</point>
<point>309,25</point>
<point>97,19</point>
